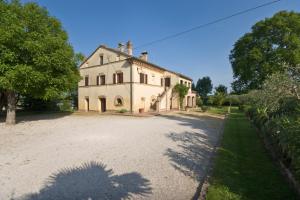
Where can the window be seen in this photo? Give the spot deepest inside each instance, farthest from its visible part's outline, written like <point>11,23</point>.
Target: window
<point>102,79</point>
<point>181,82</point>
<point>120,77</point>
<point>162,82</point>
<point>143,78</point>
<point>167,82</point>
<point>118,101</point>
<point>97,80</point>
<point>114,78</point>
<point>146,78</point>
<point>101,59</point>
<point>185,83</point>
<point>86,80</point>
<point>189,84</point>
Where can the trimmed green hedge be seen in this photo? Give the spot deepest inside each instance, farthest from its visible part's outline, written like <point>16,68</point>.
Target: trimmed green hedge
<point>282,129</point>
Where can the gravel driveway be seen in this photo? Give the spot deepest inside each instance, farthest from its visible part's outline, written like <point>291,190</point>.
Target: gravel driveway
<point>105,157</point>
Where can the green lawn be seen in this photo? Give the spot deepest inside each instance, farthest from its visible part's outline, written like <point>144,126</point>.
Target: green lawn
<point>243,169</point>
<point>218,110</point>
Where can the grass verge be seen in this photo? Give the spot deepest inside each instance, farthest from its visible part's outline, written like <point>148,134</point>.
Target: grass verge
<point>243,169</point>
<point>218,110</point>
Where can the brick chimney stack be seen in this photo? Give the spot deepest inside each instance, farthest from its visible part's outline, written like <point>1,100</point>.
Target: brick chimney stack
<point>129,48</point>
<point>121,47</point>
<point>144,56</point>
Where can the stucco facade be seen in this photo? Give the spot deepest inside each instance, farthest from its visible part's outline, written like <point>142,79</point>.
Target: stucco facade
<point>114,80</point>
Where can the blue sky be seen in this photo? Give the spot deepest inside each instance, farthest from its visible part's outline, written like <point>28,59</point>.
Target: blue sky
<point>200,53</point>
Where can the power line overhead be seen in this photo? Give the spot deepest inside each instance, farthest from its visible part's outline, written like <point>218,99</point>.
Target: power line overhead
<point>207,24</point>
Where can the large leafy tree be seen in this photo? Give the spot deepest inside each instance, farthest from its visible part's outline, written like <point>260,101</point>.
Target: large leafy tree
<point>193,87</point>
<point>36,58</point>
<point>221,89</point>
<point>204,87</point>
<point>272,44</point>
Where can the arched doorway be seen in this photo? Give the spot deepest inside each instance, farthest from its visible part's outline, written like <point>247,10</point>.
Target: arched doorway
<point>102,104</point>
<point>193,101</point>
<point>153,103</point>
<point>87,104</point>
<point>188,104</point>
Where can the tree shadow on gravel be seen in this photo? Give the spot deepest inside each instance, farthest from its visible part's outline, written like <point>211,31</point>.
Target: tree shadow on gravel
<point>22,117</point>
<point>194,153</point>
<point>194,148</point>
<point>91,181</point>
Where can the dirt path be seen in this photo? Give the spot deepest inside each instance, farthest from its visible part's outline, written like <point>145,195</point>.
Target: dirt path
<point>105,157</point>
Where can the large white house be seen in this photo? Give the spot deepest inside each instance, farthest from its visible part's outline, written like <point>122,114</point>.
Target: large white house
<point>114,79</point>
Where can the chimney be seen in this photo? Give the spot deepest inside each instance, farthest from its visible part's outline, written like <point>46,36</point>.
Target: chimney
<point>121,47</point>
<point>129,48</point>
<point>144,56</point>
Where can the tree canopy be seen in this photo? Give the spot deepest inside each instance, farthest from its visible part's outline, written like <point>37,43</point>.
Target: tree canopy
<point>204,86</point>
<point>276,88</point>
<point>35,55</point>
<point>272,44</point>
<point>221,89</point>
<point>193,87</point>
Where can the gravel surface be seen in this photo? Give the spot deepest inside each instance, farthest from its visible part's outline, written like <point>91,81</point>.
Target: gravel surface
<point>90,157</point>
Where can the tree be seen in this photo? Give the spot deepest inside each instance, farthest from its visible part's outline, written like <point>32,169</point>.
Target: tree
<point>276,88</point>
<point>199,101</point>
<point>231,100</point>
<point>204,87</point>
<point>218,98</point>
<point>36,58</point>
<point>3,100</point>
<point>221,89</point>
<point>193,87</point>
<point>272,43</point>
<point>182,91</point>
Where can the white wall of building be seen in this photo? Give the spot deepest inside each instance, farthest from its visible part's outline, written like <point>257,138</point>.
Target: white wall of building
<point>143,95</point>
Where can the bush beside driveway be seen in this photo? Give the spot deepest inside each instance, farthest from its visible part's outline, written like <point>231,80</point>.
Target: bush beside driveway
<point>243,169</point>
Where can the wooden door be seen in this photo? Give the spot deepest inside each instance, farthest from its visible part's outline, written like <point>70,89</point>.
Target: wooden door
<point>103,104</point>
<point>87,104</point>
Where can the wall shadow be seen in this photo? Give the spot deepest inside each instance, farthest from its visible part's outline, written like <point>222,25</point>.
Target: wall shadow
<point>194,148</point>
<point>91,181</point>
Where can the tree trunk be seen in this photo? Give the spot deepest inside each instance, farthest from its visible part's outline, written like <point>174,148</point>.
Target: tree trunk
<point>3,100</point>
<point>11,108</point>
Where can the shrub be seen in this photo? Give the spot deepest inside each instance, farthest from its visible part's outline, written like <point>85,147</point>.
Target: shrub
<point>218,99</point>
<point>35,104</point>
<point>275,110</point>
<point>65,105</point>
<point>182,91</point>
<point>204,108</point>
<point>282,129</point>
<point>199,101</point>
<point>289,105</point>
<point>232,100</point>
<point>123,111</point>
<point>210,100</point>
